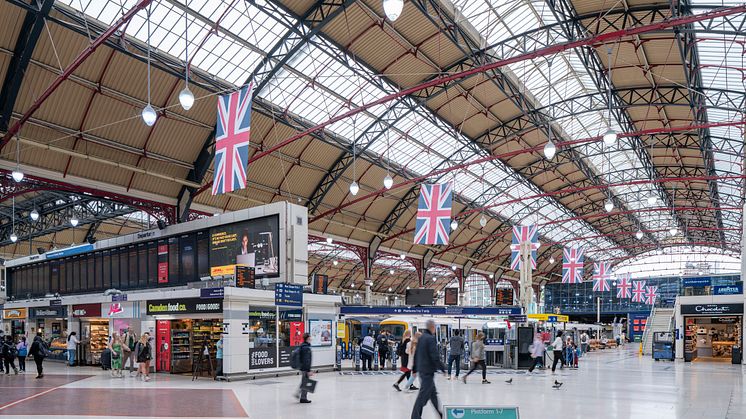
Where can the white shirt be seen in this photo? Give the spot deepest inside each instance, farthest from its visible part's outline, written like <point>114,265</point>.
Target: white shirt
<point>557,344</point>
<point>72,342</point>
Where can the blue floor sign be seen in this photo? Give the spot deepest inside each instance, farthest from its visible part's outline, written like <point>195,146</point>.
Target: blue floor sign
<point>481,412</point>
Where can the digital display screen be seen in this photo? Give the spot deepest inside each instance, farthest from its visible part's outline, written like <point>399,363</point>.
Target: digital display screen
<point>254,243</point>
<point>504,296</point>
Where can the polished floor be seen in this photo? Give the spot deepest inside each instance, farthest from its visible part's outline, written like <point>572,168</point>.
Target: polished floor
<point>608,384</point>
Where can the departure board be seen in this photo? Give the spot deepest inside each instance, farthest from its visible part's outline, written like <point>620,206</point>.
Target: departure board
<point>451,296</point>
<point>245,277</point>
<point>504,296</point>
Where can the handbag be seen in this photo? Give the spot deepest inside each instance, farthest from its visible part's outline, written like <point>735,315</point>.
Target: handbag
<point>114,355</point>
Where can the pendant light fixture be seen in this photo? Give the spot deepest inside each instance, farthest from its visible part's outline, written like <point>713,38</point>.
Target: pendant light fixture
<point>610,136</point>
<point>550,150</point>
<point>354,187</point>
<point>329,240</point>
<point>17,173</point>
<point>74,221</point>
<point>639,234</point>
<point>454,225</point>
<point>402,256</point>
<point>391,271</point>
<point>551,260</point>
<point>393,8</point>
<point>13,236</point>
<point>609,205</point>
<point>149,115</point>
<point>388,181</point>
<point>186,97</point>
<point>34,215</point>
<point>335,263</point>
<point>673,230</point>
<point>483,221</point>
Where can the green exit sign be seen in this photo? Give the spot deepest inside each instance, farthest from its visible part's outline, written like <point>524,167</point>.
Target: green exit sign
<point>480,412</point>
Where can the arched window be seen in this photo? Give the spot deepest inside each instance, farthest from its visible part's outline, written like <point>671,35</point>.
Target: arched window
<point>477,291</point>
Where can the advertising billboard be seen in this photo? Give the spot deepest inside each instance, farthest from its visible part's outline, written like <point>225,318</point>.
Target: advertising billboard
<point>254,243</point>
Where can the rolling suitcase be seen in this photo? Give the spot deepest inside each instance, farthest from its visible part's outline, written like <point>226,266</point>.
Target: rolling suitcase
<point>106,359</point>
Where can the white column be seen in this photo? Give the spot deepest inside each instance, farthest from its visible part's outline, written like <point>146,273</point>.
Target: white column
<point>526,277</point>
<point>743,273</point>
<point>236,336</point>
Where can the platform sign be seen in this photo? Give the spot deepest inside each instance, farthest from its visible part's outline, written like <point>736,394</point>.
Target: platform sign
<point>504,296</point>
<point>485,412</point>
<point>551,318</point>
<point>288,294</point>
<point>245,277</point>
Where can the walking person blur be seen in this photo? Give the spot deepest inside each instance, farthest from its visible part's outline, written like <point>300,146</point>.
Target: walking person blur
<point>411,349</point>
<point>39,351</point>
<point>584,343</point>
<point>401,352</point>
<point>144,353</point>
<point>117,355</point>
<point>72,347</point>
<point>478,358</point>
<point>427,362</point>
<point>130,341</point>
<point>367,351</point>
<point>537,352</point>
<point>557,351</point>
<point>9,352</point>
<point>22,348</point>
<point>383,348</point>
<point>305,366</point>
<point>456,344</point>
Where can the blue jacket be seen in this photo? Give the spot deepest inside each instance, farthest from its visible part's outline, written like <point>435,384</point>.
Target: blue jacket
<point>426,358</point>
<point>305,357</point>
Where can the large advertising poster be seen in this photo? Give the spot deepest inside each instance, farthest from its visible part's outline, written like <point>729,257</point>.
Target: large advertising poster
<point>321,332</point>
<point>254,243</point>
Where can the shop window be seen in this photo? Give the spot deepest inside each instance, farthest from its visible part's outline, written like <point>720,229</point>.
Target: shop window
<point>262,328</point>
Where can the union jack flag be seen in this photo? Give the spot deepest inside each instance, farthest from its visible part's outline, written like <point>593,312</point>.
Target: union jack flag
<point>434,214</point>
<point>523,234</point>
<point>651,294</point>
<point>623,286</point>
<point>601,276</point>
<point>638,291</point>
<point>572,265</point>
<point>232,133</point>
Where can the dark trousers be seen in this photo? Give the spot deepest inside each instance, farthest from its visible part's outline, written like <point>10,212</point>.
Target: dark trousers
<point>427,392</point>
<point>22,363</point>
<point>534,363</point>
<point>382,355</point>
<point>367,361</point>
<point>557,358</point>
<point>39,360</point>
<point>303,392</point>
<point>479,363</point>
<point>10,363</point>
<point>219,371</point>
<point>403,376</point>
<point>457,360</point>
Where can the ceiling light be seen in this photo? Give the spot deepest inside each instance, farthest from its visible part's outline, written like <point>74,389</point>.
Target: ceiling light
<point>407,286</point>
<point>329,240</point>
<point>13,237</point>
<point>34,214</point>
<point>393,8</point>
<point>483,220</point>
<point>550,150</point>
<point>402,256</point>
<point>390,289</point>
<point>638,234</point>
<point>652,199</point>
<point>17,175</point>
<point>608,206</point>
<point>609,137</point>
<point>149,115</point>
<point>454,224</point>
<point>435,278</point>
<point>551,260</point>
<point>391,271</point>
<point>454,268</point>
<point>335,263</point>
<point>492,276</point>
<point>659,251</point>
<point>352,285</point>
<point>388,181</point>
<point>673,230</point>
<point>354,188</point>
<point>74,222</point>
<point>186,98</point>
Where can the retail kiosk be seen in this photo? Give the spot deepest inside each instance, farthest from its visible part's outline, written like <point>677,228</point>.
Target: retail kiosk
<point>709,328</point>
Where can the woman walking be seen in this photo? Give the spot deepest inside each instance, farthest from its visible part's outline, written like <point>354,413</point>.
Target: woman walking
<point>144,355</point>
<point>22,348</point>
<point>117,355</point>
<point>39,351</point>
<point>411,349</point>
<point>72,346</point>
<point>537,352</point>
<point>401,351</point>
<point>477,357</point>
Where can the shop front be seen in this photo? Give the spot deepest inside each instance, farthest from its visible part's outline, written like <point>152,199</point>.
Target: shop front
<point>51,323</point>
<point>710,330</point>
<point>15,321</point>
<point>93,332</point>
<point>273,334</point>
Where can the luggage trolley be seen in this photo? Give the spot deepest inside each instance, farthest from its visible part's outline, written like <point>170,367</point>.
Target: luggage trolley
<point>663,346</point>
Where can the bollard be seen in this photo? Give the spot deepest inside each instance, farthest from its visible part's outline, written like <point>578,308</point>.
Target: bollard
<point>375,358</point>
<point>338,365</point>
<point>394,357</point>
<point>356,355</point>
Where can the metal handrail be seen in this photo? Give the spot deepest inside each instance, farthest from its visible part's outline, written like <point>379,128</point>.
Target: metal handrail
<point>646,333</point>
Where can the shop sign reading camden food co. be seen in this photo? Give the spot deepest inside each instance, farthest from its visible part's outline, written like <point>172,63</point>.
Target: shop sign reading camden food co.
<point>185,306</point>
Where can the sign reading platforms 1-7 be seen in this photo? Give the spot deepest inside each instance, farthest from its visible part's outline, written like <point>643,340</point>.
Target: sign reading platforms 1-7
<point>288,294</point>
<point>487,412</point>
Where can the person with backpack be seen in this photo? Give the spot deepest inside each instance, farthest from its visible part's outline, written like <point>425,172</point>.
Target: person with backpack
<point>9,355</point>
<point>301,359</point>
<point>22,348</point>
<point>367,351</point>
<point>144,353</point>
<point>401,352</point>
<point>39,351</point>
<point>456,344</point>
<point>383,348</point>
<point>72,347</point>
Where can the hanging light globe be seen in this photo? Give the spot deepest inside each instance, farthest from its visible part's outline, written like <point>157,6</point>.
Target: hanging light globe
<point>388,181</point>
<point>608,206</point>
<point>186,98</point>
<point>402,256</point>
<point>17,175</point>
<point>13,237</point>
<point>329,240</point>
<point>652,199</point>
<point>335,263</point>
<point>551,260</point>
<point>550,150</point>
<point>454,224</point>
<point>390,289</point>
<point>673,230</point>
<point>74,222</point>
<point>609,137</point>
<point>34,214</point>
<point>393,8</point>
<point>391,271</point>
<point>638,234</point>
<point>354,188</point>
<point>149,115</point>
<point>483,220</point>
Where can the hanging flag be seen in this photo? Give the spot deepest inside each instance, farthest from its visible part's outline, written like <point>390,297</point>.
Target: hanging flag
<point>232,141</point>
<point>638,291</point>
<point>652,292</point>
<point>434,214</point>
<point>623,286</point>
<point>601,276</point>
<point>523,234</point>
<point>572,265</point>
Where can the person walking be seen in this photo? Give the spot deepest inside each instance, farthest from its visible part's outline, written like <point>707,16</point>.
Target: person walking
<point>383,348</point>
<point>478,358</point>
<point>305,366</point>
<point>72,347</point>
<point>456,344</point>
<point>9,355</point>
<point>584,343</point>
<point>39,351</point>
<point>557,351</point>
<point>144,353</point>
<point>117,355</point>
<point>411,349</point>
<point>367,351</point>
<point>537,352</point>
<point>130,341</point>
<point>427,362</point>
<point>401,352</point>
<point>22,348</point>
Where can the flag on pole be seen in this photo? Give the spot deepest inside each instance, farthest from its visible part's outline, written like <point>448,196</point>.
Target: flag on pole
<point>572,265</point>
<point>638,291</point>
<point>652,292</point>
<point>434,214</point>
<point>232,133</point>
<point>522,234</point>
<point>601,276</point>
<point>623,286</point>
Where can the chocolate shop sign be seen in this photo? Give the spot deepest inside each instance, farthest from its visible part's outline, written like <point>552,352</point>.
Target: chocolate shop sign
<point>705,309</point>
<point>185,306</point>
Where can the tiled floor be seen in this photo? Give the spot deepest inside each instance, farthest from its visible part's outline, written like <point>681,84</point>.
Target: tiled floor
<point>612,384</point>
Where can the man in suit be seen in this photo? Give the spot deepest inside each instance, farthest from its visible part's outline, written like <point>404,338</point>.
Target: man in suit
<point>426,363</point>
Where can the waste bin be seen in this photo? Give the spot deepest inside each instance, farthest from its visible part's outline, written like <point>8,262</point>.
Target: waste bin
<point>736,355</point>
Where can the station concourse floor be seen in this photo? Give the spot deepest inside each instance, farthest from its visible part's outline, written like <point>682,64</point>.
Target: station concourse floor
<point>614,383</point>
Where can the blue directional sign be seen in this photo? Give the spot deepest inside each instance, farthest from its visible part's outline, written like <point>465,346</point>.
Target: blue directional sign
<point>487,412</point>
<point>431,311</point>
<point>288,294</point>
